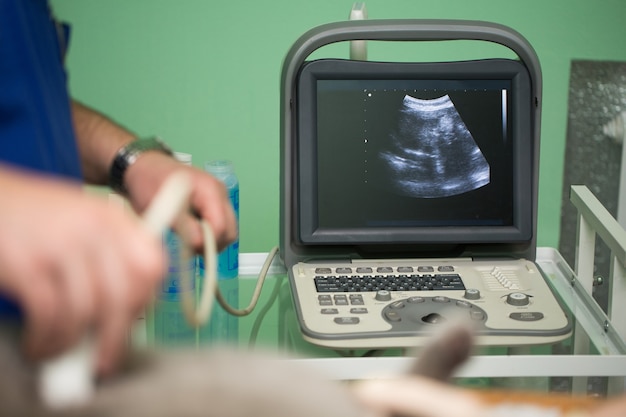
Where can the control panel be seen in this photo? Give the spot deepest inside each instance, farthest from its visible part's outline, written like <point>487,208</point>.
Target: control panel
<point>375,304</point>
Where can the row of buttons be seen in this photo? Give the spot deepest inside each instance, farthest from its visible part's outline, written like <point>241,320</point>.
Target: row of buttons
<point>392,312</point>
<point>340,300</point>
<point>383,269</point>
<point>353,310</point>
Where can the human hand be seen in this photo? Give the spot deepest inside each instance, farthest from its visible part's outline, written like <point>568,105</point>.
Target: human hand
<point>209,197</point>
<point>74,264</point>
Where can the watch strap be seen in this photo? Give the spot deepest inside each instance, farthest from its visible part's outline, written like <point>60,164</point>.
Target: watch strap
<point>127,155</point>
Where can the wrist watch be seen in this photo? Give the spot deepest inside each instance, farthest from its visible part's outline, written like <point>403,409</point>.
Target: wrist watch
<point>128,155</point>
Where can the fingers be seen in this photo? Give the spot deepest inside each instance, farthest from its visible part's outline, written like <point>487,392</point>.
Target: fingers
<point>61,307</point>
<point>209,197</point>
<point>75,264</point>
<point>113,302</point>
<point>100,288</point>
<point>211,201</point>
<point>131,272</point>
<point>43,320</point>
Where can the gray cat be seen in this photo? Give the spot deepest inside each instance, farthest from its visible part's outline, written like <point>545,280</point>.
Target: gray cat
<point>217,383</point>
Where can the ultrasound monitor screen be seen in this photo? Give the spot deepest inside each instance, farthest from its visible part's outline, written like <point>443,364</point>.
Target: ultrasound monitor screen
<point>414,153</point>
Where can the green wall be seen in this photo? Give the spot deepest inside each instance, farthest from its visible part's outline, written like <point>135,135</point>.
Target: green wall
<point>204,75</point>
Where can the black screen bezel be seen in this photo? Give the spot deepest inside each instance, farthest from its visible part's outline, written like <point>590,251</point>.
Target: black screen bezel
<point>307,230</point>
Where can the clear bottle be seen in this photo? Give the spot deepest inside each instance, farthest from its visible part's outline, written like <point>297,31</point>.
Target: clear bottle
<point>223,327</point>
<point>170,326</point>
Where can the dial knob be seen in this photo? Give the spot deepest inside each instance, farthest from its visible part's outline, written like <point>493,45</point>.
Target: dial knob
<point>517,299</point>
<point>472,294</point>
<point>383,295</point>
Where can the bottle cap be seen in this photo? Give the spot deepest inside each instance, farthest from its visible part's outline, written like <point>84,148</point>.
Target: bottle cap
<point>218,166</point>
<point>182,157</point>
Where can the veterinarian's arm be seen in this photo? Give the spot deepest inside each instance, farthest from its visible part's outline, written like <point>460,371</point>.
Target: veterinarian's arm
<point>99,139</point>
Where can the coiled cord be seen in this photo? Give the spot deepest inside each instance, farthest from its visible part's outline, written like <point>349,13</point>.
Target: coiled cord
<point>168,205</point>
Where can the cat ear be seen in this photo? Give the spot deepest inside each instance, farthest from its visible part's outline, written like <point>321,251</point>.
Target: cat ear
<point>448,348</point>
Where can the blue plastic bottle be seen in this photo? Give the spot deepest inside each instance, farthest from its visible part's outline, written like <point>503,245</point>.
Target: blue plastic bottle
<point>224,327</point>
<point>170,326</point>
<point>228,260</point>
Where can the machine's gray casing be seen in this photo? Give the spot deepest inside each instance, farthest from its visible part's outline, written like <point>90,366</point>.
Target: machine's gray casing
<point>291,250</point>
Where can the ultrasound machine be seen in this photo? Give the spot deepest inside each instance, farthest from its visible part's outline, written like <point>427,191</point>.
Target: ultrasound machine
<point>409,190</point>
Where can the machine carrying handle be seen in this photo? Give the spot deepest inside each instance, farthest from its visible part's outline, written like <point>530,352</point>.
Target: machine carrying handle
<point>411,30</point>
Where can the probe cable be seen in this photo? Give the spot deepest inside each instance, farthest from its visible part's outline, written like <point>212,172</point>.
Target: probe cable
<point>170,202</point>
<point>199,315</point>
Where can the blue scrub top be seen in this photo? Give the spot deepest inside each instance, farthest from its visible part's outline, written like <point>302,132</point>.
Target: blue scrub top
<point>36,130</point>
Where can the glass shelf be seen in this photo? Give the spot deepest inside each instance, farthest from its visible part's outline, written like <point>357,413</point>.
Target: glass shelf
<point>593,358</point>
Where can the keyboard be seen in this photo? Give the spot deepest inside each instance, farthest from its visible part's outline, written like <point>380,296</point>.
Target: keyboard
<point>402,278</point>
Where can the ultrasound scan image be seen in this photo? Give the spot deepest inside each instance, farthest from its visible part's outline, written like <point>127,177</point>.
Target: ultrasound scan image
<point>431,153</point>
